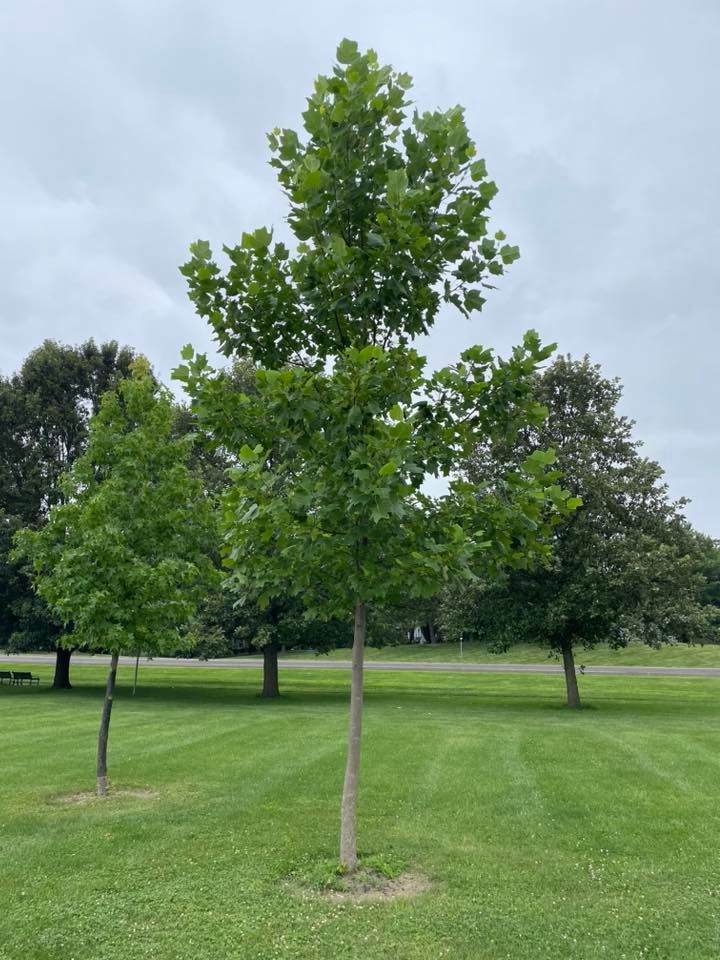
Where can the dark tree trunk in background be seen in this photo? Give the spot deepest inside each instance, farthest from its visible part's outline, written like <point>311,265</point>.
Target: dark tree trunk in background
<point>102,782</point>
<point>61,681</point>
<point>271,686</point>
<point>432,636</point>
<point>348,817</point>
<point>573,694</point>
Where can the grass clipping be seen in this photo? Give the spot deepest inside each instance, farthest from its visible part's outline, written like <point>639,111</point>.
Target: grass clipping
<point>376,879</point>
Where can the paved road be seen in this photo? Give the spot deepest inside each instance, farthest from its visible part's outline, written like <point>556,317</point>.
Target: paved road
<point>412,667</point>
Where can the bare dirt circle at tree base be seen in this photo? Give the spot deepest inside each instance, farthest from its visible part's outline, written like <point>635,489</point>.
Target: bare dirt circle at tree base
<point>366,885</point>
<point>85,797</point>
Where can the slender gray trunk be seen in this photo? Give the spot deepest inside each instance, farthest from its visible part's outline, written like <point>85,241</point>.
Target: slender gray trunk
<point>61,680</point>
<point>135,675</point>
<point>573,694</point>
<point>102,782</point>
<point>348,819</point>
<point>271,684</point>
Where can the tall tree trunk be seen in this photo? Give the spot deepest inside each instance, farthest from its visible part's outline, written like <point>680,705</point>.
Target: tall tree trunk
<point>348,816</point>
<point>573,694</point>
<point>271,686</point>
<point>431,633</point>
<point>61,680</point>
<point>102,783</point>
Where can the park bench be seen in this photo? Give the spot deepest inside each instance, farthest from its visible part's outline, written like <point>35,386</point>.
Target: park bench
<point>5,675</point>
<point>24,676</point>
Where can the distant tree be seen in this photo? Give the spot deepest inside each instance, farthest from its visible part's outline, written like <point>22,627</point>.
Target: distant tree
<point>230,620</point>
<point>710,568</point>
<point>125,555</point>
<point>63,385</point>
<point>229,617</point>
<point>626,565</point>
<point>44,414</point>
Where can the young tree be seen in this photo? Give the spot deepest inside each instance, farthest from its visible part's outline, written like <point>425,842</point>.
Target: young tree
<point>390,214</point>
<point>333,511</point>
<point>44,413</point>
<point>626,565</point>
<point>124,557</point>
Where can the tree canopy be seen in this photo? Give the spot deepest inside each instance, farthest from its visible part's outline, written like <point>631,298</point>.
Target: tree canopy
<point>124,557</point>
<point>627,565</point>
<point>44,413</point>
<point>390,214</point>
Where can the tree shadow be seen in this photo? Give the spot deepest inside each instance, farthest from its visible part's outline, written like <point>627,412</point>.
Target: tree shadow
<point>467,696</point>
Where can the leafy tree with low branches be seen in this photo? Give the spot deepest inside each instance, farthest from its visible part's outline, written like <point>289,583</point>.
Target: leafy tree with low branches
<point>333,512</point>
<point>125,557</point>
<point>391,217</point>
<point>230,619</point>
<point>44,412</point>
<point>628,565</point>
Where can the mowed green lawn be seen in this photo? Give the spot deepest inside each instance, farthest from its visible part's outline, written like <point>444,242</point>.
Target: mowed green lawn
<point>546,834</point>
<point>635,654</point>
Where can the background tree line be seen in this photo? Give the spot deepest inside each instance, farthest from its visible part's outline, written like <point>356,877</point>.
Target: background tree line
<point>628,566</point>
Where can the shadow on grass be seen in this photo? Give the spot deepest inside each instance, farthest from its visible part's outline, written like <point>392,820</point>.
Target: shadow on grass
<point>470,696</point>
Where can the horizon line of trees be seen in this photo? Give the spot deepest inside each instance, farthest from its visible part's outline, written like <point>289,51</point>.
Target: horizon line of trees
<point>45,409</point>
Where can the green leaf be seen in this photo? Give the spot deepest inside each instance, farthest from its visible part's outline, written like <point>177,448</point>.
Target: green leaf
<point>338,247</point>
<point>187,352</point>
<point>488,248</point>
<point>251,512</point>
<point>371,352</point>
<point>474,300</point>
<point>258,241</point>
<point>478,170</point>
<point>389,468</point>
<point>347,51</point>
<point>201,250</point>
<point>397,182</point>
<point>312,181</point>
<point>488,190</point>
<point>509,254</point>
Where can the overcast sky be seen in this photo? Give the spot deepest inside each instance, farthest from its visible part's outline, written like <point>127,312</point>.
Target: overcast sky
<point>129,129</point>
